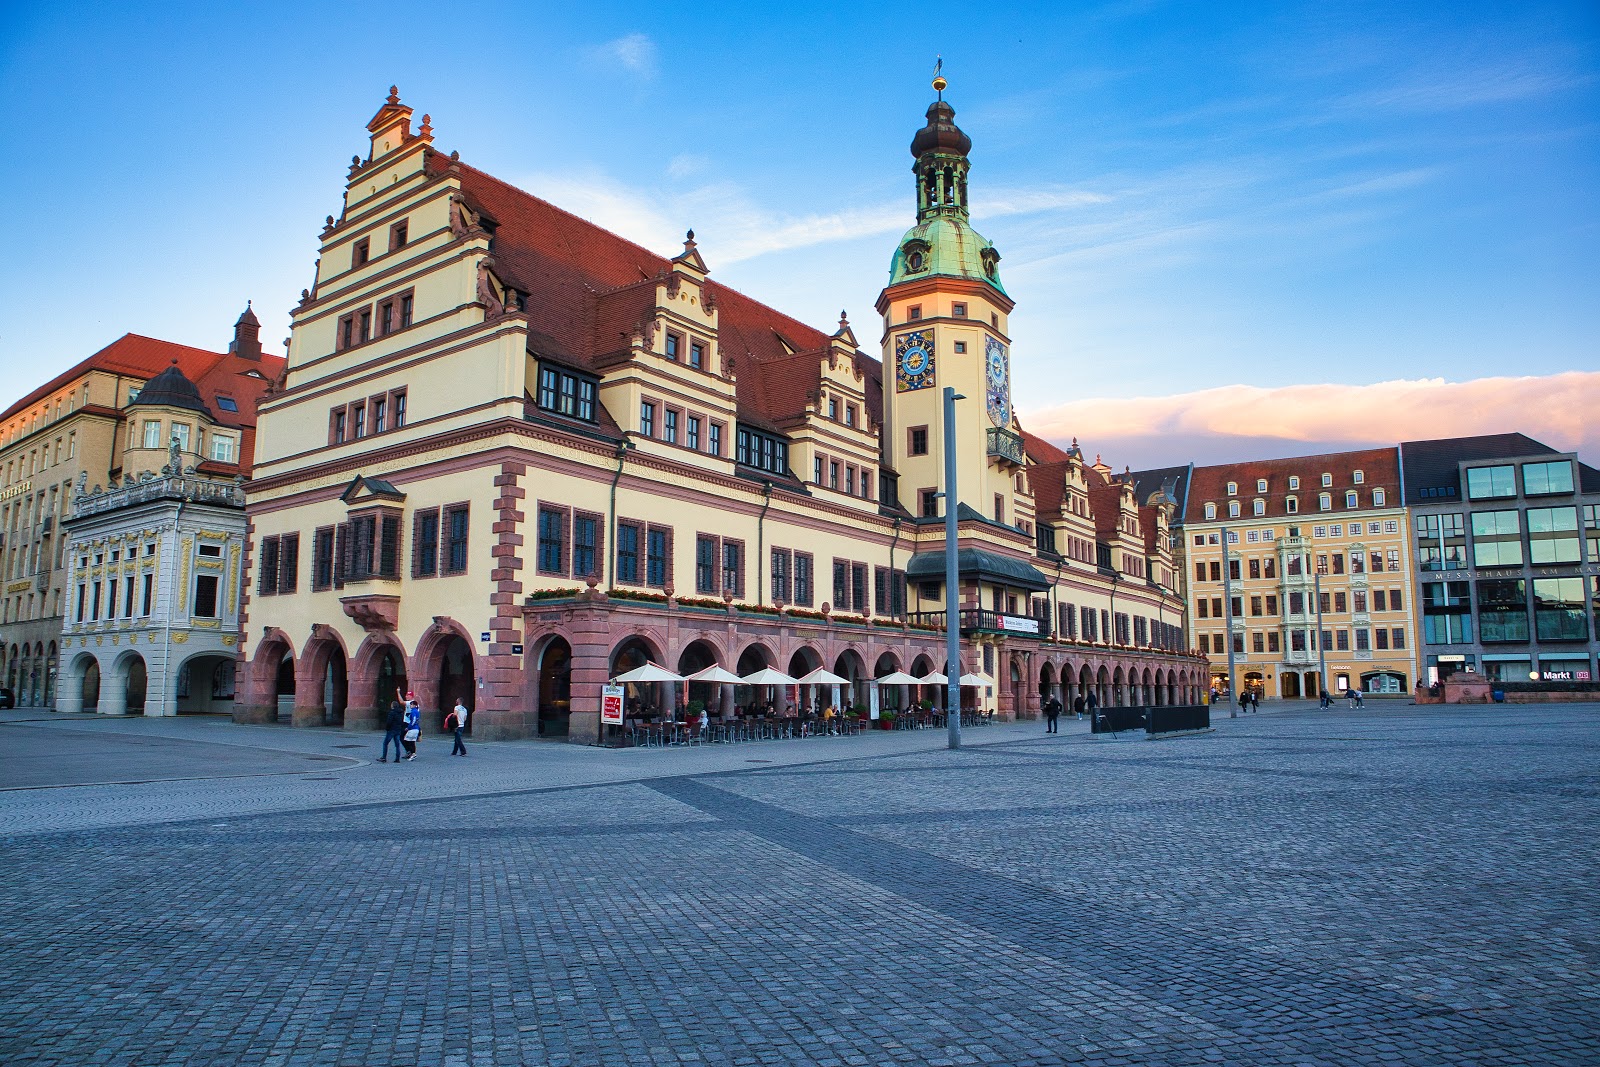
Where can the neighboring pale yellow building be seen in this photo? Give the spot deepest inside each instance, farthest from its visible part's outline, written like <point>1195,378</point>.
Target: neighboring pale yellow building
<point>515,454</point>
<point>1326,530</point>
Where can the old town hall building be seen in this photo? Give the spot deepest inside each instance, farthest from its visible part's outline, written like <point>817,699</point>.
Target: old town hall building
<point>514,454</point>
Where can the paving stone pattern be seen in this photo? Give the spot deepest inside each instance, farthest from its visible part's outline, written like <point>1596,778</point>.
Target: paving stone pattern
<point>1344,888</point>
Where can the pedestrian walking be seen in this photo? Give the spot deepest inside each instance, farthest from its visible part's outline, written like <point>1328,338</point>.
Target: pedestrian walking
<point>1077,706</point>
<point>1052,716</point>
<point>1244,701</point>
<point>394,725</point>
<point>456,721</point>
<point>413,725</point>
<point>1255,700</point>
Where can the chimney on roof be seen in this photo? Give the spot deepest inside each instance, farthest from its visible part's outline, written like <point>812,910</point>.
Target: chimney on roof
<point>247,336</point>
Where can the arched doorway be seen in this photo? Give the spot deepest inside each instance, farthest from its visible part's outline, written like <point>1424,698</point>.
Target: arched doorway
<point>84,674</point>
<point>891,696</point>
<point>702,695</point>
<point>921,667</point>
<point>805,660</point>
<point>641,698</point>
<point>555,688</point>
<point>205,684</point>
<point>1290,683</point>
<point>754,658</point>
<point>1102,687</point>
<point>389,680</point>
<point>849,665</point>
<point>1047,683</point>
<point>1119,693</point>
<point>134,682</point>
<point>283,684</point>
<point>50,676</point>
<point>456,680</point>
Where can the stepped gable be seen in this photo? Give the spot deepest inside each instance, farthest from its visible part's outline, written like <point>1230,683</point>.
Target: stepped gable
<point>587,289</point>
<point>1046,476</point>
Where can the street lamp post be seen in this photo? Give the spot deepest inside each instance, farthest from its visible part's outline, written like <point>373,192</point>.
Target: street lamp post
<point>1322,646</point>
<point>1227,615</point>
<point>952,603</point>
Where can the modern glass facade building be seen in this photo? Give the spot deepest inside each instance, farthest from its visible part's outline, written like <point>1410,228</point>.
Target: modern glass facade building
<point>1506,539</point>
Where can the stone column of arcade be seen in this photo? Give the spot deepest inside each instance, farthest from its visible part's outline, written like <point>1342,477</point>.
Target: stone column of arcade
<point>591,668</point>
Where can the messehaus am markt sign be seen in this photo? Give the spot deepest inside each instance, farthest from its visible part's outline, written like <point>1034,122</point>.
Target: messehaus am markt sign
<point>1018,624</point>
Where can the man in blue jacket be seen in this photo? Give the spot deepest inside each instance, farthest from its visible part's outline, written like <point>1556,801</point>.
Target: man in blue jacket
<point>393,727</point>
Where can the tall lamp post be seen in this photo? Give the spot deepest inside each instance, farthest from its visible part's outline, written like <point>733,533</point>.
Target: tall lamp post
<point>1322,646</point>
<point>1227,615</point>
<point>952,603</point>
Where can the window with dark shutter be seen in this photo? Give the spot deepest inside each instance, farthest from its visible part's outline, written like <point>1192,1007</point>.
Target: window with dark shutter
<point>733,567</point>
<point>267,572</point>
<point>322,559</point>
<point>803,569</point>
<point>585,544</point>
<point>456,548</point>
<point>781,558</point>
<point>656,561</point>
<point>858,588</point>
<point>341,554</point>
<point>363,536</point>
<point>841,585</point>
<point>425,544</point>
<point>389,547</point>
<point>705,564</point>
<point>627,553</point>
<point>289,563</point>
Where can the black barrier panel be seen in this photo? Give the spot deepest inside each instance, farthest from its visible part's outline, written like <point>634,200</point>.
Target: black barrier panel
<point>1167,719</point>
<point>1116,720</point>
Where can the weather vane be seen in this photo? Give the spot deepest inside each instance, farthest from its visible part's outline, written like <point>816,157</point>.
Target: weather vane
<point>938,80</point>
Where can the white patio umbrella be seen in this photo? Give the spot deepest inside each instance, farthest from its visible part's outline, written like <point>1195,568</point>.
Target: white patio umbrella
<point>650,672</point>
<point>899,678</point>
<point>822,676</point>
<point>976,679</point>
<point>767,676</point>
<point>931,679</point>
<point>714,675</point>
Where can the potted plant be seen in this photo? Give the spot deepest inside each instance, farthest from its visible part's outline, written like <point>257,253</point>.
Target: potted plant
<point>886,719</point>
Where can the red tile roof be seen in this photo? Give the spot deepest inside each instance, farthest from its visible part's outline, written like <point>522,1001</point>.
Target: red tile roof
<point>213,373</point>
<point>588,289</point>
<point>1380,468</point>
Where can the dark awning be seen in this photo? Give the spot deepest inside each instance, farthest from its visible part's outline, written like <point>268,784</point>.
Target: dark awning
<point>981,564</point>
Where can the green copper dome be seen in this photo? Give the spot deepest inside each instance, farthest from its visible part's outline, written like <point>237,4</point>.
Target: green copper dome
<point>945,246</point>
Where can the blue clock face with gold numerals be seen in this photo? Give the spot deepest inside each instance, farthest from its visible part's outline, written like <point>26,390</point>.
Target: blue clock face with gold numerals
<point>997,376</point>
<point>913,360</point>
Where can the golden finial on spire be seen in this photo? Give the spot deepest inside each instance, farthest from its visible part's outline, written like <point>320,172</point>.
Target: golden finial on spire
<point>938,80</point>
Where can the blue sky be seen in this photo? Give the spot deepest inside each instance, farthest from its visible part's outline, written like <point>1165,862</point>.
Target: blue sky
<point>1187,196</point>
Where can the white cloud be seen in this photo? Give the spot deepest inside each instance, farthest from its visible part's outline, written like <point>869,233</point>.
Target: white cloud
<point>635,52</point>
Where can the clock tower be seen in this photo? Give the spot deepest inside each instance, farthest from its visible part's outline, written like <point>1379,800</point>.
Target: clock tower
<point>944,323</point>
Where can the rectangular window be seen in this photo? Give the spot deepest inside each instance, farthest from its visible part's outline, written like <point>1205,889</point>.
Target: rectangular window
<point>127,597</point>
<point>1380,600</point>
<point>1546,479</point>
<point>647,418</point>
<point>406,304</point>
<point>657,560</point>
<point>1558,609</point>
<point>425,543</point>
<point>714,439</point>
<point>148,595</point>
<point>858,588</point>
<point>697,354</point>
<point>1341,641</point>
<point>1502,610</point>
<point>385,318</point>
<point>358,420</point>
<point>181,432</point>
<point>455,521</point>
<point>289,563</point>
<point>363,542</point>
<point>705,564</point>
<point>674,343</point>
<point>804,588</point>
<point>152,434</point>
<point>360,252</point>
<point>669,426</point>
<point>1553,534</point>
<point>1496,538</point>
<point>267,569</point>
<point>1380,638</point>
<point>398,233</point>
<point>398,397</point>
<point>627,553</point>
<point>322,558</point>
<point>841,585</point>
<point>733,568</point>
<point>1272,604</point>
<point>782,564</point>
<point>364,326</point>
<point>585,545</point>
<point>918,444</point>
<point>1397,638</point>
<point>1363,640</point>
<point>222,448</point>
<point>205,596</point>
<point>1491,483</point>
<point>336,431</point>
<point>692,436</point>
<point>552,537</point>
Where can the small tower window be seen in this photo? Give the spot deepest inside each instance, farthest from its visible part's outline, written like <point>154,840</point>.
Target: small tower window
<point>914,312</point>
<point>958,310</point>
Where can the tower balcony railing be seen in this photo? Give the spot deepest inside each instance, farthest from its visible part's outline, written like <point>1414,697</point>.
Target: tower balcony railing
<point>1005,445</point>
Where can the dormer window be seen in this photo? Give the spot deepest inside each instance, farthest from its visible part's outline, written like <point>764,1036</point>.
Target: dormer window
<point>1258,507</point>
<point>914,261</point>
<point>1292,505</point>
<point>916,253</point>
<point>1233,488</point>
<point>560,391</point>
<point>1211,511</point>
<point>1261,485</point>
<point>1327,480</point>
<point>227,403</point>
<point>1360,476</point>
<point>697,354</point>
<point>1378,498</point>
<point>1294,481</point>
<point>1233,509</point>
<point>674,342</point>
<point>849,414</point>
<point>1352,499</point>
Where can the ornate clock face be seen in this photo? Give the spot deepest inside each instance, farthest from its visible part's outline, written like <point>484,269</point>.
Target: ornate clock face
<point>997,374</point>
<point>913,356</point>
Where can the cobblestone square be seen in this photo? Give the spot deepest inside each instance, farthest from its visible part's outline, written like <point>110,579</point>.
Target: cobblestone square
<point>1392,886</point>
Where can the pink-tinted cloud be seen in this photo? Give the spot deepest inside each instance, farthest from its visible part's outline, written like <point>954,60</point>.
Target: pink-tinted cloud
<point>1237,422</point>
